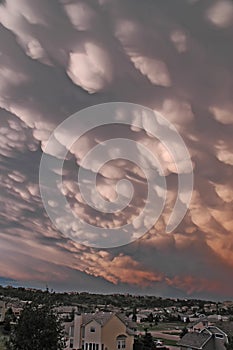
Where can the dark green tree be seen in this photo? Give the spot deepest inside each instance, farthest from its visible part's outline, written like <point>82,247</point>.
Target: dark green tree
<point>148,341</point>
<point>38,328</point>
<point>7,326</point>
<point>229,346</point>
<point>144,342</point>
<point>150,318</point>
<point>134,317</point>
<point>183,332</point>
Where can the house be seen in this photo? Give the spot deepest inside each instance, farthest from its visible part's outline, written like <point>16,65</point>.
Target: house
<point>2,311</point>
<point>17,311</point>
<point>214,318</point>
<point>184,318</point>
<point>65,312</point>
<point>198,325</point>
<point>210,338</point>
<point>99,331</point>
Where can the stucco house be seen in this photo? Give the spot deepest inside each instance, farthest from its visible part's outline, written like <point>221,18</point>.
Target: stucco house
<point>210,338</point>
<point>99,331</point>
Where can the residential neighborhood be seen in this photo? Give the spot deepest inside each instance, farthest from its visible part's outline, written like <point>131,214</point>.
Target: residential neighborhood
<point>123,324</point>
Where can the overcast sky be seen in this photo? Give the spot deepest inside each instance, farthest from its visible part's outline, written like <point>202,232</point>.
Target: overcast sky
<point>173,56</point>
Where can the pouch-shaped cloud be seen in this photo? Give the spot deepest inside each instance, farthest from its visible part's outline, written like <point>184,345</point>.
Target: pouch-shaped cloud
<point>221,13</point>
<point>177,112</point>
<point>91,69</point>
<point>155,70</point>
<point>223,114</point>
<point>179,39</point>
<point>81,15</point>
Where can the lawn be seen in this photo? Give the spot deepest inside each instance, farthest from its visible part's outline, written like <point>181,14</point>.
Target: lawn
<point>162,326</point>
<point>169,342</point>
<point>172,332</point>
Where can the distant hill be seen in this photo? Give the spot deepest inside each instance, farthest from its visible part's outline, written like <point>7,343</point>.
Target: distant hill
<point>92,300</point>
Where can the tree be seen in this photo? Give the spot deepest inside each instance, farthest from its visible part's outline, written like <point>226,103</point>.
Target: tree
<point>134,317</point>
<point>9,317</point>
<point>38,328</point>
<point>144,342</point>
<point>150,318</point>
<point>183,332</point>
<point>7,326</point>
<point>148,341</point>
<point>229,346</point>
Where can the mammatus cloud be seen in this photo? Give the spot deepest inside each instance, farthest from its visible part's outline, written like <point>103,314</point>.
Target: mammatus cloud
<point>58,57</point>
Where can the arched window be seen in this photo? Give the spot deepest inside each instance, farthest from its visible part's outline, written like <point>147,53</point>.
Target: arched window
<point>121,342</point>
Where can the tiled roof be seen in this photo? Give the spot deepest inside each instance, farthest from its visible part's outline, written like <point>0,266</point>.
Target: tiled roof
<point>100,317</point>
<point>201,319</point>
<point>214,330</point>
<point>196,322</point>
<point>194,340</point>
<point>126,320</point>
<point>130,331</point>
<point>103,317</point>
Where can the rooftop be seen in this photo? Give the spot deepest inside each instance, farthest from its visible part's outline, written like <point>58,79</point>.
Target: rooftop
<point>195,340</point>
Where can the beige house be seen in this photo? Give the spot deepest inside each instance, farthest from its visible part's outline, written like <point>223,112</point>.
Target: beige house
<point>99,331</point>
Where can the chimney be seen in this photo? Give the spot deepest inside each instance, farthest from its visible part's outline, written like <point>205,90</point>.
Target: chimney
<point>77,331</point>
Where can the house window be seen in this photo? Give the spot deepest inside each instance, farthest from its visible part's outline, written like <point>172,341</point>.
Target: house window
<point>121,342</point>
<point>83,332</point>
<point>86,346</point>
<point>219,336</point>
<point>71,331</point>
<point>90,346</point>
<point>93,346</point>
<point>92,329</point>
<point>102,346</point>
<point>97,347</point>
<point>71,343</point>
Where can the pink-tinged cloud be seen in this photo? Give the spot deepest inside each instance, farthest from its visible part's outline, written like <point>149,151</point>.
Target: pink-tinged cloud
<point>173,57</point>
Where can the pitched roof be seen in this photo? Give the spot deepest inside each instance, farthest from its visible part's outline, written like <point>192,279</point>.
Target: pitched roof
<point>216,330</point>
<point>195,340</point>
<point>199,320</point>
<point>130,332</point>
<point>101,317</point>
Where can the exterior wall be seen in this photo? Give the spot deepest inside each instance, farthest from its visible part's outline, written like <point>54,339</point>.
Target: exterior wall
<point>219,343</point>
<point>92,337</point>
<point>77,332</point>
<point>67,327</point>
<point>210,345</point>
<point>73,333</point>
<point>111,330</point>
